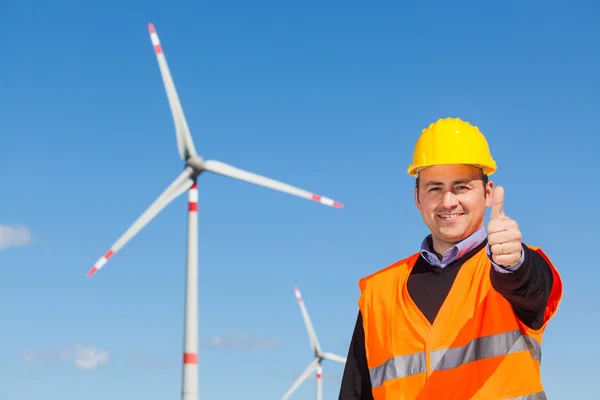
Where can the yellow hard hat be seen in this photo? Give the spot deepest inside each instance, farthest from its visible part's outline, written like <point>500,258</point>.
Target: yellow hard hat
<point>452,141</point>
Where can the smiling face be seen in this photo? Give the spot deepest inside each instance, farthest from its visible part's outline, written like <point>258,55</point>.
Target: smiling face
<point>452,200</point>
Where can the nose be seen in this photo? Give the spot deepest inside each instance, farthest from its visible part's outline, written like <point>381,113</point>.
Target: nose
<point>450,200</point>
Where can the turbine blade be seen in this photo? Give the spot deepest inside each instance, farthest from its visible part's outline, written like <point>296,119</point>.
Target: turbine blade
<point>236,173</point>
<point>185,144</point>
<point>179,185</point>
<point>334,357</point>
<point>309,327</point>
<point>311,367</point>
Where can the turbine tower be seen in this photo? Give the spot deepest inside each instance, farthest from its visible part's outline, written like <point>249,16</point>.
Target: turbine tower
<point>187,181</point>
<point>316,363</point>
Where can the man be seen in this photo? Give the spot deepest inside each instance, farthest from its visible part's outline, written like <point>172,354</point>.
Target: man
<point>463,318</point>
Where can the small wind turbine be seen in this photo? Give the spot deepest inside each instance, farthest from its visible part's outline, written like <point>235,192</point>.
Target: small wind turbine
<point>319,355</point>
<point>195,165</point>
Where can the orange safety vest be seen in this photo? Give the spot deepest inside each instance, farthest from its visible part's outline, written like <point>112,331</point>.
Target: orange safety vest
<point>475,349</point>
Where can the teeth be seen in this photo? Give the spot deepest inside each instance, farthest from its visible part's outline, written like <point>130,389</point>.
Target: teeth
<point>451,216</point>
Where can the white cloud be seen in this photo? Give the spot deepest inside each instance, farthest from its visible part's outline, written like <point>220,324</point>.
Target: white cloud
<point>81,356</point>
<point>16,235</point>
<point>242,341</point>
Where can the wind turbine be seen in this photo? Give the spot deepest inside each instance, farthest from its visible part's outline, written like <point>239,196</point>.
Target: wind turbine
<point>319,354</point>
<point>186,181</point>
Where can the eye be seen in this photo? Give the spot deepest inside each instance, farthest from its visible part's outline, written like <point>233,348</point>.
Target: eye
<point>434,189</point>
<point>462,188</point>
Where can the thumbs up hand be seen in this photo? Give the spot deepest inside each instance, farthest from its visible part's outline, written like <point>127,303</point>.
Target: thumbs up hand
<point>504,235</point>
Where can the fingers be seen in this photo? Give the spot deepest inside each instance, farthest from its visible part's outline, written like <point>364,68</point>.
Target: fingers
<point>506,248</point>
<point>501,225</point>
<point>512,235</point>
<point>507,260</point>
<point>504,235</point>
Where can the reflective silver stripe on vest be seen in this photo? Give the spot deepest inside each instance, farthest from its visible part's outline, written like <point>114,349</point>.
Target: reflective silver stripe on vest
<point>484,347</point>
<point>477,349</point>
<point>534,348</point>
<point>398,367</point>
<point>534,396</point>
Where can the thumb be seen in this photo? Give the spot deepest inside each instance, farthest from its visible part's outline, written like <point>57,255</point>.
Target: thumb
<point>497,203</point>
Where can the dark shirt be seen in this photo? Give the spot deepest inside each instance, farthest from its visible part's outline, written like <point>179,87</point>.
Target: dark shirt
<point>527,289</point>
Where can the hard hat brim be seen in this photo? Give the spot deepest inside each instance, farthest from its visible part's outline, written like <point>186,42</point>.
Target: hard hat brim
<point>413,170</point>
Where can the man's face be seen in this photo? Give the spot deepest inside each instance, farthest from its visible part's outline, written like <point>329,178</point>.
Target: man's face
<point>452,200</point>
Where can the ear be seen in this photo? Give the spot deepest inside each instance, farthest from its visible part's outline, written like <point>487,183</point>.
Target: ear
<point>489,192</point>
<point>417,203</point>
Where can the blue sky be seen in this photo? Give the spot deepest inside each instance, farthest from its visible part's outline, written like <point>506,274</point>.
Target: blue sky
<point>324,95</point>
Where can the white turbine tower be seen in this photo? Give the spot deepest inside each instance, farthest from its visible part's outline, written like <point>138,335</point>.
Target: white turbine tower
<point>195,165</point>
<point>316,363</point>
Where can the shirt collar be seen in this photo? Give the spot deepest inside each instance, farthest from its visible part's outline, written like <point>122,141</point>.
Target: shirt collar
<point>455,252</point>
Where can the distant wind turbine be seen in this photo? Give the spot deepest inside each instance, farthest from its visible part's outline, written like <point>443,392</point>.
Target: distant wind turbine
<point>316,363</point>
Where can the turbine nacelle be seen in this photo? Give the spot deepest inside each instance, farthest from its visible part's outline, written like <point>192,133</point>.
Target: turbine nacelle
<point>196,162</point>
